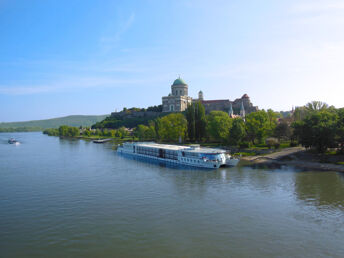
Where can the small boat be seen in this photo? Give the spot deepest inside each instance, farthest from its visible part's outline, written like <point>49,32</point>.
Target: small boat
<point>231,161</point>
<point>101,140</point>
<point>13,141</point>
<point>194,155</point>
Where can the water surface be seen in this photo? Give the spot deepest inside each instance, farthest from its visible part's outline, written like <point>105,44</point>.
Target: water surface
<point>73,198</point>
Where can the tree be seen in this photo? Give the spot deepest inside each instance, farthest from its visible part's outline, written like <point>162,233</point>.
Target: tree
<point>144,132</point>
<point>73,131</point>
<point>318,130</point>
<point>282,131</point>
<point>98,132</point>
<point>123,132</point>
<point>195,116</point>
<point>218,126</point>
<point>155,108</point>
<point>191,120</point>
<point>63,130</point>
<point>68,131</point>
<point>150,133</point>
<point>172,127</point>
<point>316,106</point>
<point>340,130</point>
<point>200,121</point>
<point>118,134</point>
<point>237,132</point>
<point>272,116</point>
<point>257,126</point>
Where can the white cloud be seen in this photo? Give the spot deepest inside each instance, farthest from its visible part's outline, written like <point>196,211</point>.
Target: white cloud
<point>67,85</point>
<point>110,41</point>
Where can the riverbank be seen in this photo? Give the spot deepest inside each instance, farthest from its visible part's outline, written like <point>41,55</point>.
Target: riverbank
<point>288,156</point>
<point>296,157</point>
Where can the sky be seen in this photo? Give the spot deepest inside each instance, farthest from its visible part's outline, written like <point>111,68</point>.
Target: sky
<point>88,57</point>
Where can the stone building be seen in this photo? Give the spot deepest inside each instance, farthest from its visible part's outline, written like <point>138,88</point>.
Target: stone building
<point>178,100</point>
<point>239,106</point>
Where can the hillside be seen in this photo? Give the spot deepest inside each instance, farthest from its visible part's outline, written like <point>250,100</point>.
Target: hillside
<point>75,120</point>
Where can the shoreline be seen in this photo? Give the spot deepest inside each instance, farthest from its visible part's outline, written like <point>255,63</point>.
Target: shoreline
<point>291,157</point>
<point>287,157</point>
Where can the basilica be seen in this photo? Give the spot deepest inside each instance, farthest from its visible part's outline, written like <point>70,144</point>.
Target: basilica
<point>178,100</point>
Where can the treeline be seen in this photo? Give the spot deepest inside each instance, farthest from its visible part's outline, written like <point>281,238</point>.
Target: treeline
<point>128,119</point>
<point>64,130</point>
<point>70,131</point>
<point>194,126</point>
<point>315,125</point>
<point>21,129</point>
<point>117,122</point>
<point>73,120</point>
<point>319,127</point>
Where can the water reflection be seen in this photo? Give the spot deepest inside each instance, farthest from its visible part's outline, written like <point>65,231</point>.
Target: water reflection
<point>68,196</point>
<point>72,143</point>
<point>320,189</point>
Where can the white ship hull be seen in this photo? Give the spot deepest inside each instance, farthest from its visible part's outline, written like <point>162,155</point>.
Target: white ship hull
<point>179,155</point>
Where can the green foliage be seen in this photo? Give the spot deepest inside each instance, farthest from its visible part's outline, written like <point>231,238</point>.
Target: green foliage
<point>218,126</point>
<point>316,106</point>
<point>237,132</point>
<point>272,142</point>
<point>200,121</point>
<point>272,116</point>
<point>195,116</point>
<point>244,144</point>
<point>87,132</point>
<point>244,154</point>
<point>51,132</point>
<point>20,129</point>
<point>144,132</point>
<point>319,129</point>
<point>128,120</point>
<point>155,108</point>
<point>171,127</point>
<point>259,125</point>
<point>122,131</point>
<point>283,131</point>
<point>76,121</point>
<point>64,130</point>
<point>190,117</point>
<point>340,130</point>
<point>68,131</point>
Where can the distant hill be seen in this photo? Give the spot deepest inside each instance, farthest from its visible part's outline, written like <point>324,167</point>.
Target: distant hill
<point>75,120</point>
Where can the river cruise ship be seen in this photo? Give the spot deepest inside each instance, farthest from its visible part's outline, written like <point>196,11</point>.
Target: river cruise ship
<point>193,155</point>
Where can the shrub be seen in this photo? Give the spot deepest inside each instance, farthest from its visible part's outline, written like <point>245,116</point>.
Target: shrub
<point>293,144</point>
<point>244,144</point>
<point>272,142</point>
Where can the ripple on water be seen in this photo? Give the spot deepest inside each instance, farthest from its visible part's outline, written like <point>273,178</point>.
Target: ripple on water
<point>61,197</point>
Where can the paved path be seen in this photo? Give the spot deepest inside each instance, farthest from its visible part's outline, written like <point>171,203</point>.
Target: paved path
<point>275,155</point>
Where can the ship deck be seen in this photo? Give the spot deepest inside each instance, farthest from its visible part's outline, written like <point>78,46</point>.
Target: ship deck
<point>180,147</point>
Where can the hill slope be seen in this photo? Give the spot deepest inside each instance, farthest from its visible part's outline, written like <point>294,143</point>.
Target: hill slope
<point>75,120</point>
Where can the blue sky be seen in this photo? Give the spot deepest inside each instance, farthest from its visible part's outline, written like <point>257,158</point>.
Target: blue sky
<point>61,58</point>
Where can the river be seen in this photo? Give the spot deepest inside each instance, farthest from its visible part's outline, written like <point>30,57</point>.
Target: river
<point>73,198</point>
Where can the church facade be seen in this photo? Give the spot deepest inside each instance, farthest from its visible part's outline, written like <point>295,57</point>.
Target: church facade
<point>178,100</point>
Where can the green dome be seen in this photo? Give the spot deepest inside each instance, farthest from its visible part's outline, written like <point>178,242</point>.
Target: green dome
<point>179,81</point>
